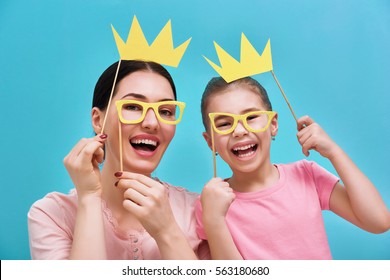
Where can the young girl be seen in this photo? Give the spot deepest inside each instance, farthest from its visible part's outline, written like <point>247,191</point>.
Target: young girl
<point>113,214</point>
<point>273,211</point>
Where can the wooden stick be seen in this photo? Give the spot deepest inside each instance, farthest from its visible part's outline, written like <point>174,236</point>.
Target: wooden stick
<point>120,146</point>
<point>111,94</point>
<point>213,148</point>
<point>285,97</point>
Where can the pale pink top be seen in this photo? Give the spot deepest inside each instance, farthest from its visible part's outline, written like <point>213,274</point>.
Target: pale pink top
<point>51,223</point>
<point>283,221</point>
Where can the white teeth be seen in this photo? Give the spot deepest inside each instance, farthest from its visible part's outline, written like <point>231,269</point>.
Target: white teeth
<point>245,155</point>
<point>144,141</point>
<point>244,147</point>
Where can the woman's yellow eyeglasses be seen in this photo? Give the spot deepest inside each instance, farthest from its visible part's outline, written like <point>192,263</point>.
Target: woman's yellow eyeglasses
<point>134,111</point>
<point>256,121</point>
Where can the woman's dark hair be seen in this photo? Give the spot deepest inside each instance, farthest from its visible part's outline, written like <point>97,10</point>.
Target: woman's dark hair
<point>218,85</point>
<point>103,86</point>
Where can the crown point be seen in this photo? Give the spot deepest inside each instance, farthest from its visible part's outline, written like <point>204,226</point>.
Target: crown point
<point>160,51</point>
<point>251,63</point>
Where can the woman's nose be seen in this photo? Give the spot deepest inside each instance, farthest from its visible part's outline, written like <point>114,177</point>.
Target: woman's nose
<point>150,121</point>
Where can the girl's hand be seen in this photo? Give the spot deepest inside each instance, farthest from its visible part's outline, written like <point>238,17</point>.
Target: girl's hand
<point>312,137</point>
<point>82,164</point>
<point>216,198</point>
<point>148,200</point>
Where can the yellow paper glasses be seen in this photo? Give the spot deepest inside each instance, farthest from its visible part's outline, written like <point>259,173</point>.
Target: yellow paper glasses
<point>225,123</point>
<point>134,111</point>
<point>256,121</point>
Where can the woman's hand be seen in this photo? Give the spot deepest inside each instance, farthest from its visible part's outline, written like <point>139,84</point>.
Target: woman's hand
<point>82,164</point>
<point>148,200</point>
<point>312,137</point>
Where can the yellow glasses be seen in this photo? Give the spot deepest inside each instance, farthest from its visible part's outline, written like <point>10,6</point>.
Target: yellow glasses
<point>256,121</point>
<point>134,111</point>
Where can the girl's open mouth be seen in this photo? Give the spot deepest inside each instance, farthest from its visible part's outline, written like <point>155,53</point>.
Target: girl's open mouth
<point>244,151</point>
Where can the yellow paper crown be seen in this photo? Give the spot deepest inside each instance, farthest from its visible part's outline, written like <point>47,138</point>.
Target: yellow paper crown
<point>160,51</point>
<point>251,63</point>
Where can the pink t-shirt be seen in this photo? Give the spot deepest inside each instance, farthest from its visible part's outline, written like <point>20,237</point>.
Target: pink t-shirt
<point>283,221</point>
<point>51,223</point>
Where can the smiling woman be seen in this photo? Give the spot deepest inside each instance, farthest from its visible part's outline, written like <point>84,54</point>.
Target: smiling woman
<point>115,212</point>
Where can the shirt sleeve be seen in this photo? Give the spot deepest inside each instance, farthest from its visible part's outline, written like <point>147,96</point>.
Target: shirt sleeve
<point>49,236</point>
<point>324,182</point>
<point>199,222</point>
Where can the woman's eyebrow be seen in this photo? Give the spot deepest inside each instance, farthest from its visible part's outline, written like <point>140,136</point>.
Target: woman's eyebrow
<point>143,97</point>
<point>136,95</point>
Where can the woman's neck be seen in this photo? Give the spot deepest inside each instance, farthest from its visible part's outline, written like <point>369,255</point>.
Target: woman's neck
<point>114,196</point>
<point>264,177</point>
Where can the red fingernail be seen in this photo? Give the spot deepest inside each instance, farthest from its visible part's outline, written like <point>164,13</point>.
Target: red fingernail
<point>116,183</point>
<point>118,174</point>
<point>103,136</point>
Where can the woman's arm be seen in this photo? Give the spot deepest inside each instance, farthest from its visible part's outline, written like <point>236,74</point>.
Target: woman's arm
<point>82,165</point>
<point>358,202</point>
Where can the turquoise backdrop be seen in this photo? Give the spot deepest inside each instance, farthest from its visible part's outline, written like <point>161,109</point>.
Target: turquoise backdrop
<point>332,59</point>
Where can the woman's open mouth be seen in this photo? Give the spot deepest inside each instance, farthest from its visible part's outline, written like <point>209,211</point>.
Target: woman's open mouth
<point>146,145</point>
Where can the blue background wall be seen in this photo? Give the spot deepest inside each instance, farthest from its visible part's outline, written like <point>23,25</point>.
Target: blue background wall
<point>331,57</point>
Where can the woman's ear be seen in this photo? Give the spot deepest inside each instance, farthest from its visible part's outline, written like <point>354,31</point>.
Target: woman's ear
<point>207,137</point>
<point>274,126</point>
<point>97,119</point>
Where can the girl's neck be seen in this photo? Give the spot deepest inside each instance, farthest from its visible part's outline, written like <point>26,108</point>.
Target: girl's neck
<point>266,176</point>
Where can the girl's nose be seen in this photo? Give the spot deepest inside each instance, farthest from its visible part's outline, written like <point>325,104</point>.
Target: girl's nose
<point>240,130</point>
<point>150,121</point>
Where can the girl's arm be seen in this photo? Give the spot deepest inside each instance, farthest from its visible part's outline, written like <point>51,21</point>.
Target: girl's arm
<point>358,202</point>
<point>148,200</point>
<point>216,198</point>
<point>82,165</point>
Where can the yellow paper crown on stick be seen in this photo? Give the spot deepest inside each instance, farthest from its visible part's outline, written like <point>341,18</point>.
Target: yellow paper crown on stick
<point>251,63</point>
<point>160,51</point>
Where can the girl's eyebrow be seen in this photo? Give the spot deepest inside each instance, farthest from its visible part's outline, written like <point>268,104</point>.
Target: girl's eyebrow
<point>250,110</point>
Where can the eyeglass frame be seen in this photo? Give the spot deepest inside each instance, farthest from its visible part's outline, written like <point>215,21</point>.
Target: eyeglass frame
<point>242,118</point>
<point>146,106</point>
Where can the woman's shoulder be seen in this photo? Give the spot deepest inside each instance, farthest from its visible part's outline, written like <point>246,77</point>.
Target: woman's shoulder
<point>56,202</point>
<point>178,193</point>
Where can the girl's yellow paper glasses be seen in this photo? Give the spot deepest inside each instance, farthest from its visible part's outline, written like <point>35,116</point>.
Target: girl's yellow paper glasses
<point>256,121</point>
<point>225,123</point>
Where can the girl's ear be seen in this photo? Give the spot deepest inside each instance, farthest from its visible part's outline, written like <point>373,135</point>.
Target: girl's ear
<point>207,137</point>
<point>97,119</point>
<point>274,126</point>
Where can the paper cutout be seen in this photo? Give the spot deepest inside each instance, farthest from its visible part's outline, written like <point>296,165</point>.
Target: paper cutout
<point>160,51</point>
<point>251,63</point>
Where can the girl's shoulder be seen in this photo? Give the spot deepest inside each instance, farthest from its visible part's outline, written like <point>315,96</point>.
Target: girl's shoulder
<point>303,165</point>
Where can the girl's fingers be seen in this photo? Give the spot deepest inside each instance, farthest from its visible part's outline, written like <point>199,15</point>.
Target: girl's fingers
<point>304,122</point>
